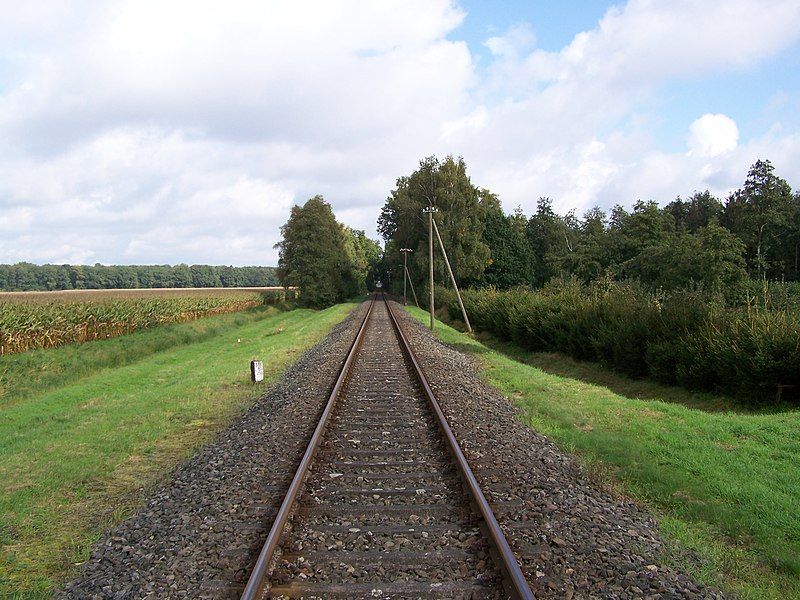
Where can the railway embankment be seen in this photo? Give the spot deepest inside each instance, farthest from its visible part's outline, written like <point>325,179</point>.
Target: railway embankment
<point>200,533</point>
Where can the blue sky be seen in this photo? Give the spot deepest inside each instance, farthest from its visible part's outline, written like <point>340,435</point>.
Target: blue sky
<point>555,23</point>
<point>153,131</point>
<point>552,24</point>
<point>753,97</point>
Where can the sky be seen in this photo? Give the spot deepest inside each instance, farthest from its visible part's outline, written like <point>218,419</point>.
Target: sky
<point>182,131</point>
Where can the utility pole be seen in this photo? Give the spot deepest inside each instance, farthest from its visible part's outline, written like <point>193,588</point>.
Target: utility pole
<point>430,210</point>
<point>405,252</point>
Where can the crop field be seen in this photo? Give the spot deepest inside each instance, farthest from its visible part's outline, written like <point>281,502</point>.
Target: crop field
<point>95,295</point>
<point>31,320</point>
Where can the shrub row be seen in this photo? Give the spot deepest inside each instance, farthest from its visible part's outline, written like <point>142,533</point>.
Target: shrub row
<point>682,338</point>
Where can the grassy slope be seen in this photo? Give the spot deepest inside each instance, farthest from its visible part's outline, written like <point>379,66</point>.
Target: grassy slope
<point>36,371</point>
<point>75,457</point>
<point>725,482</point>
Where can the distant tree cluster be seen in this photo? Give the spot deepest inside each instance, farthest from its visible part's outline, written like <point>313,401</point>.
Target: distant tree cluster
<point>30,277</point>
<point>328,261</point>
<point>701,240</point>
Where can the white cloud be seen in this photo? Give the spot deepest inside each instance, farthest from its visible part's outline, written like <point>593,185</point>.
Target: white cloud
<point>712,135</point>
<point>145,131</point>
<point>554,105</point>
<point>169,131</point>
<point>310,72</point>
<point>518,39</point>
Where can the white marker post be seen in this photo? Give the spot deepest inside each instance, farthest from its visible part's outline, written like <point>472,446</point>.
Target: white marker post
<point>256,371</point>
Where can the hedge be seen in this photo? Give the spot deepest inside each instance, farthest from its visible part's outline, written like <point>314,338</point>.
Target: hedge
<point>684,338</point>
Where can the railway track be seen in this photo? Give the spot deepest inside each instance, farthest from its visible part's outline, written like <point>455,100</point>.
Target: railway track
<point>384,504</point>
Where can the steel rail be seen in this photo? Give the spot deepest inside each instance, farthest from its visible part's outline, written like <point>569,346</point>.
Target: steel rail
<point>255,585</point>
<point>508,562</point>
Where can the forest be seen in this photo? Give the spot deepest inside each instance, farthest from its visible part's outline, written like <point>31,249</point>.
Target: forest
<point>27,277</point>
<point>698,242</point>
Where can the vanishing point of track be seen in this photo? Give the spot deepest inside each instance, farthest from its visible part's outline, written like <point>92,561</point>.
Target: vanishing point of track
<point>383,503</point>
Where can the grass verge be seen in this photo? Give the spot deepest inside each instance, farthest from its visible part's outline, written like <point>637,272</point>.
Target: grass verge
<point>37,371</point>
<point>78,457</point>
<point>723,481</point>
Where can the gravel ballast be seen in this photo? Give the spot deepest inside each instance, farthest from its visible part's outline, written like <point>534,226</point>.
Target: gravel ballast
<point>199,534</point>
<point>366,529</point>
<point>573,538</point>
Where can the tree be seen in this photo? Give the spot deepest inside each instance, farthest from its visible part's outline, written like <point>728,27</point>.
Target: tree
<point>699,210</point>
<point>204,276</point>
<point>231,276</point>
<point>28,277</point>
<point>446,186</point>
<point>364,255</point>
<point>123,277</point>
<point>511,257</point>
<point>764,215</point>
<point>591,255</point>
<point>712,257</point>
<point>545,233</point>
<point>313,255</point>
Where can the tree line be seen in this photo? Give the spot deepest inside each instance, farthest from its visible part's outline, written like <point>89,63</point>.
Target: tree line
<point>698,241</point>
<point>327,260</point>
<point>30,277</point>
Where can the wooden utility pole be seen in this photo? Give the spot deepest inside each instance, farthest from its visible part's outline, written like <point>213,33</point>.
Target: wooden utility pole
<point>430,210</point>
<point>405,252</point>
<point>452,277</point>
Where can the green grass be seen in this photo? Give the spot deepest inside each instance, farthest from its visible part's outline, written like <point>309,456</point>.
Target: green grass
<point>36,371</point>
<point>111,418</point>
<point>724,481</point>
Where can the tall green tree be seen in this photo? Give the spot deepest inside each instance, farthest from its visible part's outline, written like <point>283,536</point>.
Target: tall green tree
<point>30,277</point>
<point>697,211</point>
<point>545,232</point>
<point>712,258</point>
<point>364,255</point>
<point>591,254</point>
<point>632,232</point>
<point>313,255</point>
<point>204,276</point>
<point>444,184</point>
<point>763,213</point>
<point>512,261</point>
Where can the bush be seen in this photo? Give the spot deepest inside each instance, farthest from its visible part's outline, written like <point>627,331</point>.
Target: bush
<point>685,337</point>
<point>771,295</point>
<point>753,353</point>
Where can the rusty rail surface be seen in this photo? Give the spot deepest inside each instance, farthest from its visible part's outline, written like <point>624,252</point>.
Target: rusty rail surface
<point>513,579</point>
<point>507,561</point>
<point>255,585</point>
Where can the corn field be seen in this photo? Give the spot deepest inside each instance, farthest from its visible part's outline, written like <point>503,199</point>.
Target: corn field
<point>28,324</point>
